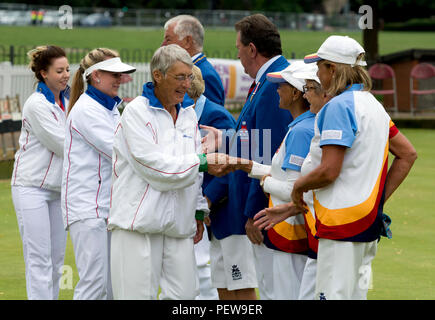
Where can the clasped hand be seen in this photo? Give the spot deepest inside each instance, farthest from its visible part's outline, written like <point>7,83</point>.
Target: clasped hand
<point>218,164</point>
<point>212,141</point>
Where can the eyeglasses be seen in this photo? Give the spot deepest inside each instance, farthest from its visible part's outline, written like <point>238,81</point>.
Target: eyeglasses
<point>183,77</point>
<point>307,88</point>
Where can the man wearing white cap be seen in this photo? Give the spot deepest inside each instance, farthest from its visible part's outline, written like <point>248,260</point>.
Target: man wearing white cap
<point>349,171</point>
<point>87,168</point>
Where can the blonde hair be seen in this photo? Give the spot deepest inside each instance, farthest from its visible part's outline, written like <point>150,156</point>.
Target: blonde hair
<point>347,75</point>
<point>197,86</point>
<point>93,57</point>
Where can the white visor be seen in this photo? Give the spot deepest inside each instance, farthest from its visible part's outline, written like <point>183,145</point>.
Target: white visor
<point>111,65</point>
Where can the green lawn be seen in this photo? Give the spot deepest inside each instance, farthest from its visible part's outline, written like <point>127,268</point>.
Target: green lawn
<point>218,42</point>
<point>404,267</point>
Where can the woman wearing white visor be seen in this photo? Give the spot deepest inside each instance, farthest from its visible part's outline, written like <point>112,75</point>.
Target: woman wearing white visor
<point>87,168</point>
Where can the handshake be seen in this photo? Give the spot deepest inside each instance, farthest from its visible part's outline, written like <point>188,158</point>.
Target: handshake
<point>220,164</point>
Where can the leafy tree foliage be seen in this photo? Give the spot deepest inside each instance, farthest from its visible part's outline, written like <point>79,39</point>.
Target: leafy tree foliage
<point>389,10</point>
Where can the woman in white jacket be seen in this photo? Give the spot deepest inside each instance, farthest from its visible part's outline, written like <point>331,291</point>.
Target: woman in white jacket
<point>87,168</point>
<point>156,190</point>
<point>36,178</point>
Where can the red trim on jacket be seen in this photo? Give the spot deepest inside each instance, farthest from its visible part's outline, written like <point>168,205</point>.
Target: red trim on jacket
<point>49,165</point>
<point>99,184</point>
<point>67,175</point>
<point>92,143</point>
<point>140,203</point>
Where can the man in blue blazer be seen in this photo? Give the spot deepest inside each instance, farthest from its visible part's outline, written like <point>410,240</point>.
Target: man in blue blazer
<point>259,50</point>
<point>188,33</point>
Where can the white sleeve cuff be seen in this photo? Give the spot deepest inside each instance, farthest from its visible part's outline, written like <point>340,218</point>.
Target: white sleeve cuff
<point>258,170</point>
<point>281,189</point>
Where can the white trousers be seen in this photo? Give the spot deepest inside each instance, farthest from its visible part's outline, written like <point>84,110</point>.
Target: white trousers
<point>39,216</point>
<point>263,257</point>
<point>91,243</point>
<point>308,282</point>
<point>288,269</point>
<point>141,263</point>
<point>344,269</point>
<point>202,256</point>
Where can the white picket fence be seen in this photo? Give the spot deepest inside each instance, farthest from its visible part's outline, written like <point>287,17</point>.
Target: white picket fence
<point>19,80</point>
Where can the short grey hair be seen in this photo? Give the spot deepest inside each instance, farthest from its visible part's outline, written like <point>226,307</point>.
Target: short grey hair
<point>187,25</point>
<point>166,56</point>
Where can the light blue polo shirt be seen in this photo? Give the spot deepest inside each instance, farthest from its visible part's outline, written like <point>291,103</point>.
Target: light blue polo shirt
<point>337,121</point>
<point>297,143</point>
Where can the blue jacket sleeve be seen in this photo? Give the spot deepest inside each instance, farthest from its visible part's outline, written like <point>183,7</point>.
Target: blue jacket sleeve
<point>217,189</point>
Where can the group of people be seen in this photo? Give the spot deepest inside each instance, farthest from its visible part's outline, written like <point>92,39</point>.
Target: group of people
<point>163,196</point>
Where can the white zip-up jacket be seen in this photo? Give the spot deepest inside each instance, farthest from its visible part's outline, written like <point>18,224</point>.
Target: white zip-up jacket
<point>156,181</point>
<point>87,165</point>
<point>38,162</point>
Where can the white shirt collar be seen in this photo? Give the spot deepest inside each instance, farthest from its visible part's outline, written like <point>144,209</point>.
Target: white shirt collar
<point>264,68</point>
<point>196,56</point>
